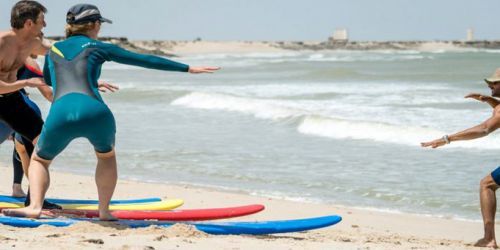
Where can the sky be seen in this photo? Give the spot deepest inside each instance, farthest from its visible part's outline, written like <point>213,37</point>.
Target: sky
<point>283,20</point>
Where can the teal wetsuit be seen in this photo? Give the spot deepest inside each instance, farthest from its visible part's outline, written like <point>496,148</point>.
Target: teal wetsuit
<point>72,67</point>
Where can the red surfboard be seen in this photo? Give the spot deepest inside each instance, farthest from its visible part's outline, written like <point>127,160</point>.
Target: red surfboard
<point>172,215</point>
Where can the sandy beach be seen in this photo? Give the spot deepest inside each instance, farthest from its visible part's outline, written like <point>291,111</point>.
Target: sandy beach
<point>360,229</point>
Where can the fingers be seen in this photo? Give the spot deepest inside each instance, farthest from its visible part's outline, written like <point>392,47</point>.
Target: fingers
<point>198,70</point>
<point>474,96</point>
<point>431,144</point>
<point>212,68</point>
<point>107,86</point>
<point>35,82</point>
<point>114,87</point>
<point>111,88</point>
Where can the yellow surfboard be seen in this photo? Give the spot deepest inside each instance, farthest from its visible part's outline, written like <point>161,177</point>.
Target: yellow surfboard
<point>157,205</point>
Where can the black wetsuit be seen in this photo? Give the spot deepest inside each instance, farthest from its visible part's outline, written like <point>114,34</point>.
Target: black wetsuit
<point>24,73</point>
<point>25,121</point>
<point>20,116</point>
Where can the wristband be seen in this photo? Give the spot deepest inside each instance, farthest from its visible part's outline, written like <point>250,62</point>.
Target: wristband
<point>446,139</point>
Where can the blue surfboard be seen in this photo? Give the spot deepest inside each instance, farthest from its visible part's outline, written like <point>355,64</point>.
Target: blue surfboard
<point>10,199</point>
<point>253,228</point>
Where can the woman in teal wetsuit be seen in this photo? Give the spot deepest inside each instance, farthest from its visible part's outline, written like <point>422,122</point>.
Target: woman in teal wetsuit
<point>72,68</point>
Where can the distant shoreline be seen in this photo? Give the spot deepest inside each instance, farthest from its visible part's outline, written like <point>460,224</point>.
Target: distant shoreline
<point>173,48</point>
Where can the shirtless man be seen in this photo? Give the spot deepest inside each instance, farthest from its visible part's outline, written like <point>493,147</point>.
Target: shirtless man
<point>16,45</point>
<point>491,182</point>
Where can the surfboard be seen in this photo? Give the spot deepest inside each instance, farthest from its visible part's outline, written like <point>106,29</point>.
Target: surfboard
<point>157,205</point>
<point>252,228</point>
<point>173,215</point>
<point>11,199</point>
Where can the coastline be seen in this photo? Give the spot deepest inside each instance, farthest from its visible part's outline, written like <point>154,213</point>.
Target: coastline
<point>359,228</point>
<point>180,48</point>
<point>171,48</point>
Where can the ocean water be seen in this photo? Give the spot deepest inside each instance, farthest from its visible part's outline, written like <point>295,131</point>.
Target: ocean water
<point>340,127</point>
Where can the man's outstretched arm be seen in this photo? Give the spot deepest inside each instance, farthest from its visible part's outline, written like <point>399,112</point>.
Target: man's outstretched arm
<point>11,87</point>
<point>475,132</point>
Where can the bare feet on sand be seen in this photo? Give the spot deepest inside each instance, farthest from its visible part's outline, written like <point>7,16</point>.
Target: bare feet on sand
<point>17,191</point>
<point>486,243</point>
<point>106,216</point>
<point>23,212</point>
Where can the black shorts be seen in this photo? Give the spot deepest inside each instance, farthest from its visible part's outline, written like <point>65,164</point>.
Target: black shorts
<point>20,116</point>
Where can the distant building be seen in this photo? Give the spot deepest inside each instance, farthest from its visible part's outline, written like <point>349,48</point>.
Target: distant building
<point>339,36</point>
<point>470,35</point>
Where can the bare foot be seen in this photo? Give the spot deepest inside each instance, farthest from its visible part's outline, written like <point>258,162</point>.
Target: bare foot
<point>49,213</point>
<point>486,243</point>
<point>17,191</point>
<point>107,216</point>
<point>23,212</point>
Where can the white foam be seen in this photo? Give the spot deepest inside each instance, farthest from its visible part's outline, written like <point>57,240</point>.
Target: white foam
<point>343,129</point>
<point>493,51</point>
<point>264,109</point>
<point>382,132</point>
<point>320,121</point>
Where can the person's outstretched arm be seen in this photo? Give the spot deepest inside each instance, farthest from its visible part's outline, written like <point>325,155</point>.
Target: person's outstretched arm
<point>478,131</point>
<point>17,85</point>
<point>493,102</point>
<point>120,55</point>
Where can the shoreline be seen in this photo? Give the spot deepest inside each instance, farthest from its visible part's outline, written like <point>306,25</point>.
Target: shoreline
<point>221,189</point>
<point>173,48</point>
<point>359,228</point>
<point>181,48</point>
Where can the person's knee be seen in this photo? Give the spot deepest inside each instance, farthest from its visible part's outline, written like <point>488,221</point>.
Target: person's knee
<point>106,155</point>
<point>488,183</point>
<point>20,148</point>
<point>40,160</point>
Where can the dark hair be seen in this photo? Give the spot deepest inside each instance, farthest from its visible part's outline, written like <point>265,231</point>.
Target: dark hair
<point>23,11</point>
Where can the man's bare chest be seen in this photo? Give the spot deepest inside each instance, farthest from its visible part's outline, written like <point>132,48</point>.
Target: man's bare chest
<point>11,60</point>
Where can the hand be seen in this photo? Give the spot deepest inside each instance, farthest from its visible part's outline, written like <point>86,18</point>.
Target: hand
<point>34,82</point>
<point>103,86</point>
<point>478,97</point>
<point>198,70</point>
<point>434,144</point>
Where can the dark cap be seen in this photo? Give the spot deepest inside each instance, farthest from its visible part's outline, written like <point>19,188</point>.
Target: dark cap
<point>84,13</point>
